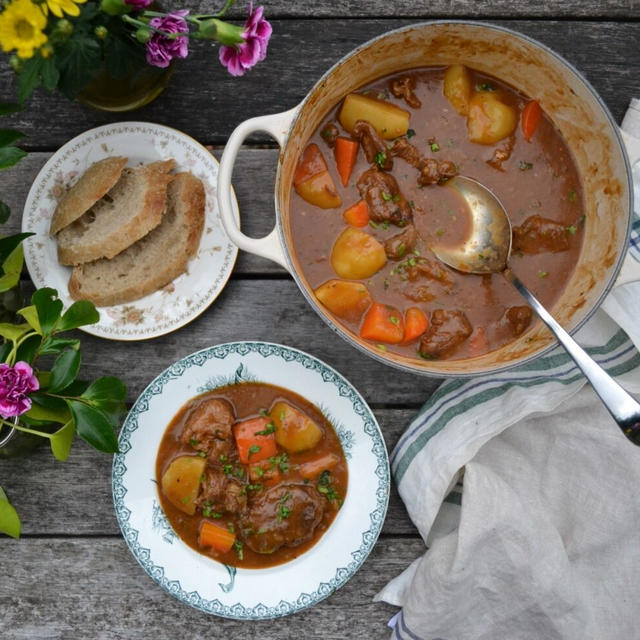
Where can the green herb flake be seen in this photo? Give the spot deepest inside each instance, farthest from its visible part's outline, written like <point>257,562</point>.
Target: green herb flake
<point>254,487</point>
<point>439,232</point>
<point>382,347</point>
<point>222,458</point>
<point>386,196</point>
<point>401,249</point>
<point>410,133</point>
<point>380,158</point>
<point>202,454</point>
<point>373,224</point>
<point>397,198</point>
<point>394,320</point>
<point>259,471</point>
<point>264,413</point>
<point>573,195</point>
<point>227,469</point>
<point>254,448</point>
<point>485,86</point>
<point>525,166</point>
<point>385,225</point>
<point>184,500</point>
<point>238,548</point>
<point>193,442</point>
<point>435,147</point>
<point>543,274</point>
<point>284,512</point>
<point>270,428</point>
<point>571,229</point>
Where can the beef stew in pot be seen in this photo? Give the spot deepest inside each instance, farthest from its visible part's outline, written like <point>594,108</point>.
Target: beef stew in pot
<point>369,200</point>
<point>251,474</point>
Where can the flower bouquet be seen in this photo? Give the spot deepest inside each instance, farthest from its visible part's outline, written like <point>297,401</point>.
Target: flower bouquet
<point>64,44</point>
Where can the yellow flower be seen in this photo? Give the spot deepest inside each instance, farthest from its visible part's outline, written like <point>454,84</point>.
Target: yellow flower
<point>21,25</point>
<point>57,7</point>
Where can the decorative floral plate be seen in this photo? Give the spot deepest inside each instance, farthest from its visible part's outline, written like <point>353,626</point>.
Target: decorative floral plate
<point>189,294</point>
<point>203,583</point>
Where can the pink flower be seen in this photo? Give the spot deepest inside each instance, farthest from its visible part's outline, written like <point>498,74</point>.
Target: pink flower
<point>15,383</point>
<point>138,5</point>
<point>161,49</point>
<point>256,34</point>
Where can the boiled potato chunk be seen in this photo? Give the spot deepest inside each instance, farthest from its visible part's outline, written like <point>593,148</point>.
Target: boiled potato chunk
<point>311,163</point>
<point>387,119</point>
<point>457,88</point>
<point>356,254</point>
<point>489,119</point>
<point>320,191</point>
<point>294,430</point>
<point>181,482</point>
<point>347,300</point>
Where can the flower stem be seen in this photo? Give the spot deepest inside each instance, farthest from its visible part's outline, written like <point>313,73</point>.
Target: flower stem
<point>144,25</point>
<point>20,427</point>
<point>12,355</point>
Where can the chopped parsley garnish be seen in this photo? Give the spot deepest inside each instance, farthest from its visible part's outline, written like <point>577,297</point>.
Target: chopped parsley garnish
<point>382,347</point>
<point>385,224</point>
<point>254,487</point>
<point>410,133</point>
<point>573,196</point>
<point>184,500</point>
<point>237,545</point>
<point>386,196</point>
<point>386,283</point>
<point>270,428</point>
<point>571,229</point>
<point>222,458</point>
<point>401,249</point>
<point>207,513</point>
<point>439,232</point>
<point>283,510</point>
<point>524,166</point>
<point>227,469</point>
<point>373,225</point>
<point>193,442</point>
<point>326,133</point>
<point>202,454</point>
<point>394,320</point>
<point>543,274</point>
<point>281,462</point>
<point>380,158</point>
<point>397,198</point>
<point>259,471</point>
<point>435,147</point>
<point>485,86</point>
<point>254,448</point>
<point>325,487</point>
<point>264,413</point>
<point>231,527</point>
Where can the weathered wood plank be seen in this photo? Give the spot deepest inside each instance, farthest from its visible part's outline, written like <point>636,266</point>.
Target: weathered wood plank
<point>207,103</point>
<point>74,497</point>
<point>57,589</point>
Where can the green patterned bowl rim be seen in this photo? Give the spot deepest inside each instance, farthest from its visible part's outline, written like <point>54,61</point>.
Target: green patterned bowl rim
<point>324,589</point>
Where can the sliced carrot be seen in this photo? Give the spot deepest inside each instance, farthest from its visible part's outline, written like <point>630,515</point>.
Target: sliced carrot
<point>415,324</point>
<point>311,162</point>
<point>313,468</point>
<point>346,151</point>
<point>478,343</point>
<point>357,214</point>
<point>383,324</point>
<point>212,535</point>
<point>531,115</point>
<point>253,445</point>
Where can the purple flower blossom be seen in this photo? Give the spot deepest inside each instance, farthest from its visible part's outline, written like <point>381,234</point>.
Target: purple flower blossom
<point>15,383</point>
<point>138,5</point>
<point>161,49</point>
<point>257,31</point>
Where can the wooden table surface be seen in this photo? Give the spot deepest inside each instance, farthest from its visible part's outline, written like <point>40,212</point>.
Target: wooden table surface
<point>71,574</point>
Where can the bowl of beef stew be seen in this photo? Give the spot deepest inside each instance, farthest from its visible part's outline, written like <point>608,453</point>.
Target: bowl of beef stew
<point>252,480</point>
<point>361,195</point>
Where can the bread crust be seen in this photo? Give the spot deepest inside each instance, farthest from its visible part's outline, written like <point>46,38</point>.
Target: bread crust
<point>96,181</point>
<point>148,216</point>
<point>187,202</point>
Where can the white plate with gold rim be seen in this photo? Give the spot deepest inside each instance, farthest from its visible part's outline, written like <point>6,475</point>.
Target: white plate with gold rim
<point>189,294</point>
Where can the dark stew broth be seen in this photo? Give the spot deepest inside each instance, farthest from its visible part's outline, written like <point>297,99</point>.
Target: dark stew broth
<point>251,474</point>
<point>387,286</point>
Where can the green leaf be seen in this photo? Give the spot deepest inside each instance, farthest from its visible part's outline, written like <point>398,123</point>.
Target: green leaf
<point>9,136</point>
<point>93,427</point>
<point>29,77</point>
<point>8,244</point>
<point>77,59</point>
<point>64,371</point>
<point>10,156</point>
<point>76,389</point>
<point>108,394</point>
<point>12,268</point>
<point>5,212</point>
<point>7,108</point>
<point>30,314</point>
<point>9,518</point>
<point>50,74</point>
<point>62,440</point>
<point>53,345</point>
<point>27,350</point>
<point>59,414</point>
<point>78,314</point>
<point>13,332</point>
<point>45,401</point>
<point>49,308</point>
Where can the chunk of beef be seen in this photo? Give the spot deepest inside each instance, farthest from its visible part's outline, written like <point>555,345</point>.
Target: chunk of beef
<point>382,194</point>
<point>538,234</point>
<point>284,515</point>
<point>210,420</point>
<point>447,331</point>
<point>222,451</point>
<point>398,246</point>
<point>220,492</point>
<point>329,134</point>
<point>433,171</point>
<point>407,151</point>
<point>502,153</point>
<point>430,269</point>
<point>403,87</point>
<point>373,147</point>
<point>518,318</point>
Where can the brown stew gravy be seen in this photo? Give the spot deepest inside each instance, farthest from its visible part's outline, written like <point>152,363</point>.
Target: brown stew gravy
<point>538,184</point>
<point>228,497</point>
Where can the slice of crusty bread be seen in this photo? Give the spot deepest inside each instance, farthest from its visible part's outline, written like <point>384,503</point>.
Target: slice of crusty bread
<point>127,213</point>
<point>94,183</point>
<point>153,261</point>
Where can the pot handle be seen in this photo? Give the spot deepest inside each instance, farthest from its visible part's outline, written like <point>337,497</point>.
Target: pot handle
<point>277,126</point>
<point>632,146</point>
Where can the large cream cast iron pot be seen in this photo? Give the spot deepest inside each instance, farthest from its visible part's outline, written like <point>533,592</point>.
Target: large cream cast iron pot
<point>572,104</point>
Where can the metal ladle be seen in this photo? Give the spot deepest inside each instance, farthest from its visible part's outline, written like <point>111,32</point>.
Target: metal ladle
<point>487,250</point>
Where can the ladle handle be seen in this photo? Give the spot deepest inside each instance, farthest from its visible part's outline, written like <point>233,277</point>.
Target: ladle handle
<point>624,409</point>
